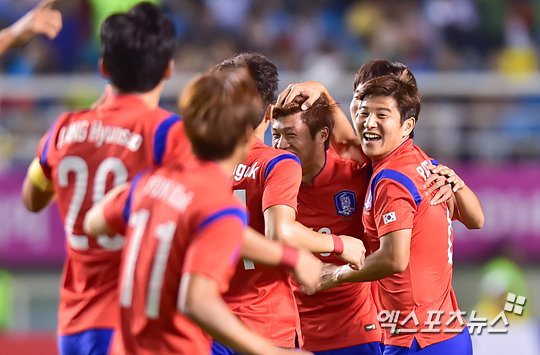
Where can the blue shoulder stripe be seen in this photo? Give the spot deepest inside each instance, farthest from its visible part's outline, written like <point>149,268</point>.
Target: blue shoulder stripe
<point>434,162</point>
<point>236,212</point>
<point>45,153</point>
<point>127,207</point>
<point>160,139</point>
<point>398,177</point>
<point>271,165</point>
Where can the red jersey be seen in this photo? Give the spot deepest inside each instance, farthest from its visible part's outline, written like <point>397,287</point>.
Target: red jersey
<point>86,154</point>
<point>172,227</point>
<point>346,315</point>
<point>396,200</point>
<point>262,296</point>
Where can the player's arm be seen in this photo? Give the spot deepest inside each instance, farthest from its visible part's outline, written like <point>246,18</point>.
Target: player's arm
<point>105,216</point>
<point>280,224</point>
<point>391,258</point>
<point>305,266</point>
<point>201,301</point>
<point>40,20</point>
<point>279,203</point>
<point>37,191</point>
<point>206,271</point>
<point>463,204</point>
<point>343,140</point>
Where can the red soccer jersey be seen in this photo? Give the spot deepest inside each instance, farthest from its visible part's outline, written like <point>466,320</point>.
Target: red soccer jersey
<point>172,227</point>
<point>396,200</point>
<point>262,296</point>
<point>85,154</point>
<point>346,315</point>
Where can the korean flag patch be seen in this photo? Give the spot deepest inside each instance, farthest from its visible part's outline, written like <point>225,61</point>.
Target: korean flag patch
<point>389,217</point>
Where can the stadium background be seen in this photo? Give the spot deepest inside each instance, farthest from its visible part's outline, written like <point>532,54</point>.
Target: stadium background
<point>477,68</point>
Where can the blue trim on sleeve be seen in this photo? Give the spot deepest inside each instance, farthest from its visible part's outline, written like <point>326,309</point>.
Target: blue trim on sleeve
<point>434,162</point>
<point>398,177</point>
<point>271,165</point>
<point>127,207</point>
<point>160,139</point>
<point>235,211</point>
<point>45,153</point>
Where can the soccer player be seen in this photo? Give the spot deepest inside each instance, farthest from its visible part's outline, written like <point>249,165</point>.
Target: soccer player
<point>410,238</point>
<point>184,231</point>
<point>40,20</point>
<point>342,320</point>
<point>86,153</point>
<point>268,181</point>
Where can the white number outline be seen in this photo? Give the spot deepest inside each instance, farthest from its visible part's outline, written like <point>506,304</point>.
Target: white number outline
<point>241,194</point>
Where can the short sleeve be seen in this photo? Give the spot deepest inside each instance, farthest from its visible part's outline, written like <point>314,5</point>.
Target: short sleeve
<point>114,210</point>
<point>283,176</point>
<point>216,246</point>
<point>394,207</point>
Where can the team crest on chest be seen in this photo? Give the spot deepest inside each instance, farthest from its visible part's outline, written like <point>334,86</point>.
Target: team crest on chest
<point>345,203</point>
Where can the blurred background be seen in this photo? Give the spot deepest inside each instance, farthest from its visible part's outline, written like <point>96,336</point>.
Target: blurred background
<point>477,65</point>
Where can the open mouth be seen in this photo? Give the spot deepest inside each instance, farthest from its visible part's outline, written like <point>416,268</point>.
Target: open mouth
<point>371,137</point>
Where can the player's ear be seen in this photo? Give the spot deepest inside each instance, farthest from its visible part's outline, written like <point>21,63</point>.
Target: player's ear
<point>169,70</point>
<point>409,125</point>
<point>324,134</point>
<point>102,68</point>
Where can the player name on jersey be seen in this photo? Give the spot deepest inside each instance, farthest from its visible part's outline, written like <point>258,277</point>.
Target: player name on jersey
<point>81,131</point>
<point>169,191</point>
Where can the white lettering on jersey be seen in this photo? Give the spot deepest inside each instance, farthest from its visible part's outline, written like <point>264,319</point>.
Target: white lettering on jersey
<point>243,171</point>
<point>169,191</point>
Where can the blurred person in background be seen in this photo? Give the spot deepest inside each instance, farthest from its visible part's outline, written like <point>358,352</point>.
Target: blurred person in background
<point>501,276</point>
<point>40,20</point>
<point>86,153</point>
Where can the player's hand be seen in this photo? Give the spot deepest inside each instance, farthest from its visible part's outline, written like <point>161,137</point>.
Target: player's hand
<point>310,89</point>
<point>354,251</point>
<point>330,276</point>
<point>106,97</point>
<point>444,179</point>
<point>40,20</point>
<point>308,271</point>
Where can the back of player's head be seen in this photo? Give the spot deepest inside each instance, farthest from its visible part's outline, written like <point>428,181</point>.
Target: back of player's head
<point>136,47</point>
<point>218,110</point>
<point>317,116</point>
<point>382,67</point>
<point>405,94</point>
<point>261,69</point>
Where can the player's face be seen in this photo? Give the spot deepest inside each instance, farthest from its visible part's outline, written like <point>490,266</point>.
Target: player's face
<point>355,102</point>
<point>378,124</point>
<point>290,133</point>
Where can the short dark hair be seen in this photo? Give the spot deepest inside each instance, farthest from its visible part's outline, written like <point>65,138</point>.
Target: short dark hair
<point>136,47</point>
<point>317,116</point>
<point>261,69</point>
<point>218,108</point>
<point>382,67</point>
<point>405,94</point>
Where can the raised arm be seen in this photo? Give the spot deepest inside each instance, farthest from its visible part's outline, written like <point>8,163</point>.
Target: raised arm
<point>40,20</point>
<point>343,140</point>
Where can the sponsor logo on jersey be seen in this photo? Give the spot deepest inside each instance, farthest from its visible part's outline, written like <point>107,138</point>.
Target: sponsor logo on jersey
<point>389,217</point>
<point>345,203</point>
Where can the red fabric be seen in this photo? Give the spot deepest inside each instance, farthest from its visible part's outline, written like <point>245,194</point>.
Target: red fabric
<point>89,152</point>
<point>345,315</point>
<point>259,295</point>
<point>174,227</point>
<point>426,284</point>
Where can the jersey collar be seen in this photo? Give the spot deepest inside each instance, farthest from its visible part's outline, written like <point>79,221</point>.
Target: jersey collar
<point>126,100</point>
<point>327,172</point>
<point>402,147</point>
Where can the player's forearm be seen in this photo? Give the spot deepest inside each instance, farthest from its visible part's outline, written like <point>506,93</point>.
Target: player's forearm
<point>377,265</point>
<point>261,250</point>
<point>7,40</point>
<point>297,235</point>
<point>205,307</point>
<point>468,208</point>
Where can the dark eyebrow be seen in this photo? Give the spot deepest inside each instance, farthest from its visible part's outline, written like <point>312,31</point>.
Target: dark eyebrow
<point>378,109</point>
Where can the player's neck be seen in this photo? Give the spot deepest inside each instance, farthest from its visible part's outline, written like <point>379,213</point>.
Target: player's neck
<point>150,98</point>
<point>260,131</point>
<point>312,168</point>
